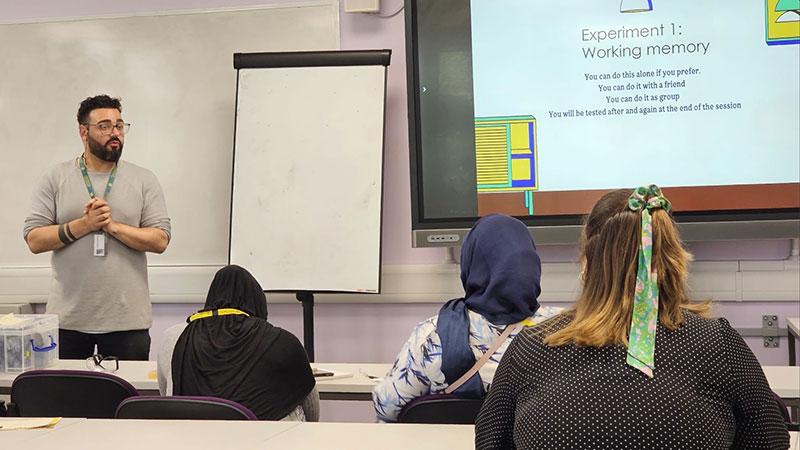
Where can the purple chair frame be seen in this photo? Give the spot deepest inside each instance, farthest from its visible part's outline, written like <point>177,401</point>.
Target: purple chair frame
<point>441,408</point>
<point>68,393</point>
<point>183,407</point>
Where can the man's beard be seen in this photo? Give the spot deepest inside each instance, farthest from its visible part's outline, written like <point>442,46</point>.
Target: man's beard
<point>104,153</point>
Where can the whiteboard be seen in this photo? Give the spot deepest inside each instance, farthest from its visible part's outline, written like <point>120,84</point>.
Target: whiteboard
<point>175,75</point>
<point>307,183</point>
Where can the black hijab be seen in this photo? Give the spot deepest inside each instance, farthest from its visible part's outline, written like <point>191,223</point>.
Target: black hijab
<point>241,358</point>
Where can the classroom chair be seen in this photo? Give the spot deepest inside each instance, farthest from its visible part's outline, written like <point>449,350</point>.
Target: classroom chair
<point>787,417</point>
<point>441,408</point>
<point>183,407</point>
<point>68,393</point>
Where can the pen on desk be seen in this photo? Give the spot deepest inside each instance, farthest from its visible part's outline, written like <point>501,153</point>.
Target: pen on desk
<point>371,377</point>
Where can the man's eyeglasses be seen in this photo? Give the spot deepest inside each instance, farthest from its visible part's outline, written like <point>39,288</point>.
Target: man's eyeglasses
<point>100,363</point>
<point>106,127</point>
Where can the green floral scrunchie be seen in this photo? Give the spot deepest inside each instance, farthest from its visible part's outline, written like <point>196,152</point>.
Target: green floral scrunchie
<point>642,339</point>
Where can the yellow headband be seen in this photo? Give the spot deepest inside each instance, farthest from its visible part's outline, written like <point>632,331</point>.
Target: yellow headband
<point>216,312</point>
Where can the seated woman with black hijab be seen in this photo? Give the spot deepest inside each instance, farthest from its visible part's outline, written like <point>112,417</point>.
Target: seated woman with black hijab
<point>229,350</point>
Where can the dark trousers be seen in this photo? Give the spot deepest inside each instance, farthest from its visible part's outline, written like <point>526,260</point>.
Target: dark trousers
<point>130,345</point>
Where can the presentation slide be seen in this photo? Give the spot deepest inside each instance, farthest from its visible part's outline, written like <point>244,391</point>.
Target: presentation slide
<point>575,98</point>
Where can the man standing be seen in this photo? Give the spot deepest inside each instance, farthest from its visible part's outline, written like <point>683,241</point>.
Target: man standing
<point>99,215</point>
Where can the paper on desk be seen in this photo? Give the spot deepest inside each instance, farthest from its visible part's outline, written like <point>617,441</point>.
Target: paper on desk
<point>27,423</point>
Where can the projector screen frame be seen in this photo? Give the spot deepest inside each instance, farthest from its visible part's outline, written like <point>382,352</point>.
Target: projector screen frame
<point>783,223</point>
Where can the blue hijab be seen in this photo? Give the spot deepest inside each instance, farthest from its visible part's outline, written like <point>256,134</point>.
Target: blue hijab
<point>501,273</point>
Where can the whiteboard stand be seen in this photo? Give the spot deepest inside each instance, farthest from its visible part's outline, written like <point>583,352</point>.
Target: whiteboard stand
<point>307,184</point>
<point>307,299</point>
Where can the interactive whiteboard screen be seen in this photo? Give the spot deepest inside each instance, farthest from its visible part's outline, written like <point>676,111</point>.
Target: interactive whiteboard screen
<point>536,108</point>
<point>307,180</point>
<point>611,94</point>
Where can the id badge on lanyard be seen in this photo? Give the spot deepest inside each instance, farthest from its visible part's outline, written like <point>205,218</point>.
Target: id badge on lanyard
<point>99,245</point>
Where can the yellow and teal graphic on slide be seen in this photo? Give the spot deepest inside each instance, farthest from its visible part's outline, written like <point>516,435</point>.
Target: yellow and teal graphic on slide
<point>782,21</point>
<point>635,6</point>
<point>506,155</point>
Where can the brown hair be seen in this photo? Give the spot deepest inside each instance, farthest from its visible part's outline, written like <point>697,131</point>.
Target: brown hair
<point>609,250</point>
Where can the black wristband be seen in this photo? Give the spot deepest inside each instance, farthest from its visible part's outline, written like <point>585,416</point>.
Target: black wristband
<point>71,236</point>
<point>62,235</point>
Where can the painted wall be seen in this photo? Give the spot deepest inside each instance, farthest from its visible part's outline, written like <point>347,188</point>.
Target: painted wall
<point>375,332</point>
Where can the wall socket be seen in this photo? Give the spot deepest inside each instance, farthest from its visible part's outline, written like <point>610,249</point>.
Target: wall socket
<point>362,6</point>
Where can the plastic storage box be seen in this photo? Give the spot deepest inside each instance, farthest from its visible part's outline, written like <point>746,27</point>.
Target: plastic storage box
<point>28,341</point>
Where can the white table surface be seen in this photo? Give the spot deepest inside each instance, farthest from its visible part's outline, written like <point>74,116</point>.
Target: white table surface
<point>142,375</point>
<point>371,436</point>
<point>794,440</point>
<point>105,434</point>
<point>784,380</point>
<point>793,324</point>
<point>118,434</point>
<point>16,439</point>
<point>364,377</point>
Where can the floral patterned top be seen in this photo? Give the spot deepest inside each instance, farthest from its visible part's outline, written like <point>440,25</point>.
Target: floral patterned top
<point>417,371</point>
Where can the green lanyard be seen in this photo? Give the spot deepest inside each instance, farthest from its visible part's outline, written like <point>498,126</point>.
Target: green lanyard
<point>88,181</point>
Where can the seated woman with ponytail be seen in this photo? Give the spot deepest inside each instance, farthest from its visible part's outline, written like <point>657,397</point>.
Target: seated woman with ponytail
<point>633,364</point>
<point>229,350</point>
<point>500,272</point>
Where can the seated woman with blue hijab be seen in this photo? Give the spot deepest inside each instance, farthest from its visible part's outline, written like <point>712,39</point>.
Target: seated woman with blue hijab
<point>500,272</point>
<point>229,350</point>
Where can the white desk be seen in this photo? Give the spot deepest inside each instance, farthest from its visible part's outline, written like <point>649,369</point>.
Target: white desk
<point>356,387</point>
<point>105,434</point>
<point>793,326</point>
<point>794,440</point>
<point>370,436</point>
<point>142,375</point>
<point>19,438</point>
<point>784,380</point>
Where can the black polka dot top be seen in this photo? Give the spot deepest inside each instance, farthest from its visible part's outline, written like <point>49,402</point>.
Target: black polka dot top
<point>709,392</point>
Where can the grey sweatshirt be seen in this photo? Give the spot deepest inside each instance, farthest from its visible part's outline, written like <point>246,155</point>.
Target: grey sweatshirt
<point>91,293</point>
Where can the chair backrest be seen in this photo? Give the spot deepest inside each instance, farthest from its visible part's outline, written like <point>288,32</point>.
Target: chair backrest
<point>783,408</point>
<point>787,417</point>
<point>69,393</point>
<point>441,408</point>
<point>183,407</point>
